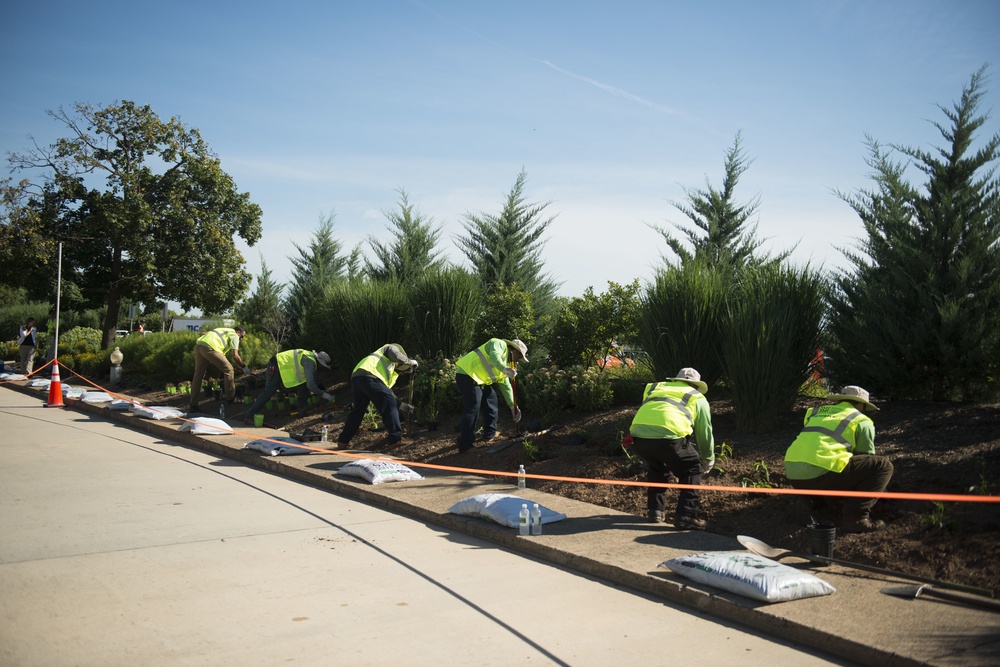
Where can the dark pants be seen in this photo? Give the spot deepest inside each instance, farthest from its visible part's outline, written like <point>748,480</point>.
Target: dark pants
<point>664,456</point>
<point>475,397</point>
<point>864,472</point>
<point>366,389</point>
<point>272,384</point>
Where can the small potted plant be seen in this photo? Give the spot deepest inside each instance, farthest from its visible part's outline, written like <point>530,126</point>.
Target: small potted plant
<point>171,388</point>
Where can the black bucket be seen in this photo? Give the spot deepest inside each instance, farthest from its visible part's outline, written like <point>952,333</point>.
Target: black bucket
<point>819,539</point>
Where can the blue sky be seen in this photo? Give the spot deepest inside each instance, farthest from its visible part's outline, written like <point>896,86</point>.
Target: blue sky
<point>611,108</point>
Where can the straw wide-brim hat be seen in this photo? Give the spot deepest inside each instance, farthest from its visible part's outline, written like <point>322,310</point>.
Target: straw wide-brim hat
<point>519,345</point>
<point>692,377</point>
<point>852,393</point>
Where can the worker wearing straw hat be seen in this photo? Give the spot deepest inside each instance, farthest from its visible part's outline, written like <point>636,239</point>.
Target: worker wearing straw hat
<point>672,433</point>
<point>836,451</point>
<point>479,375</point>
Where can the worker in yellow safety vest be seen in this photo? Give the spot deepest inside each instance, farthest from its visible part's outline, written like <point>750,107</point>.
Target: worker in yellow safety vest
<point>672,433</point>
<point>489,366</point>
<point>212,348</point>
<point>835,451</point>
<point>291,369</point>
<point>371,383</point>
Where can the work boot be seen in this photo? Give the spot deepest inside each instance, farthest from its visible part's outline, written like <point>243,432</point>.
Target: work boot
<point>862,525</point>
<point>656,516</point>
<point>689,523</point>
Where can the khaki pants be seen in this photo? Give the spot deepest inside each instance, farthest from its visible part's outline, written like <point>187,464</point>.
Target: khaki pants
<point>203,356</point>
<point>27,358</point>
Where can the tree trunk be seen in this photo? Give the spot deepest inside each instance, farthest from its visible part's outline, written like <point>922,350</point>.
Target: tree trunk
<point>113,301</point>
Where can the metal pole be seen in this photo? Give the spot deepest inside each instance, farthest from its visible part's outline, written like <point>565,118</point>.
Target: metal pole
<point>55,350</point>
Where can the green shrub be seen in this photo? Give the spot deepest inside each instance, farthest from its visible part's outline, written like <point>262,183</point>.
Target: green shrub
<point>545,390</point>
<point>589,389</point>
<point>434,388</point>
<point>351,319</point>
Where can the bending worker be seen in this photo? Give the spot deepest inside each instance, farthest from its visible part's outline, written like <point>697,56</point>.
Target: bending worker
<point>672,433</point>
<point>476,374</point>
<point>371,383</point>
<point>836,452</point>
<point>212,348</point>
<point>291,369</point>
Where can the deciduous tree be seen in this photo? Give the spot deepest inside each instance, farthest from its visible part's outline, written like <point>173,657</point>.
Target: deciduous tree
<point>143,207</point>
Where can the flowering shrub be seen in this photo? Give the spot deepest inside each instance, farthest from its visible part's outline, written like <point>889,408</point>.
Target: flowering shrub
<point>434,389</point>
<point>552,390</point>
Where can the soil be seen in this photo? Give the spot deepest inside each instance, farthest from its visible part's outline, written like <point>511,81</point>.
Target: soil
<point>935,448</point>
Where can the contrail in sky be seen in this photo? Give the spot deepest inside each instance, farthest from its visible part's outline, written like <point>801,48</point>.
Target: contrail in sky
<point>614,90</point>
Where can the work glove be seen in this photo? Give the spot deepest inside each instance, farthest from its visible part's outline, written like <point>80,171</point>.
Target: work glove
<point>246,370</point>
<point>405,408</point>
<point>327,396</point>
<point>515,412</point>
<point>706,466</point>
<point>510,372</point>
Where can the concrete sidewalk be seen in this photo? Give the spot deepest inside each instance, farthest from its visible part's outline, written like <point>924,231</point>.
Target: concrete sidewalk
<point>858,622</point>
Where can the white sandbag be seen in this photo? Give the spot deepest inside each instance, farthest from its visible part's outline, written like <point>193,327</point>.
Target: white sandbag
<point>502,508</point>
<point>69,391</point>
<point>284,446</point>
<point>206,426</point>
<point>749,575</point>
<point>39,383</point>
<point>378,472</point>
<point>157,412</point>
<point>96,397</point>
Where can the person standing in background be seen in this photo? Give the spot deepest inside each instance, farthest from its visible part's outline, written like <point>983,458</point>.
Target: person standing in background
<point>27,341</point>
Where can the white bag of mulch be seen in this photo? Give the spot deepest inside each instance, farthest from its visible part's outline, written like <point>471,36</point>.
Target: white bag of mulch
<point>749,575</point>
<point>96,397</point>
<point>377,472</point>
<point>121,404</point>
<point>206,426</point>
<point>69,391</point>
<point>40,383</point>
<point>157,412</point>
<point>501,508</point>
<point>283,447</point>
<point>10,377</point>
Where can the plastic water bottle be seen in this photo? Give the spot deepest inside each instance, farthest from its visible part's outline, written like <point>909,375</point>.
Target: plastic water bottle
<point>520,477</point>
<point>222,410</point>
<point>536,520</point>
<point>522,527</point>
<point>325,434</point>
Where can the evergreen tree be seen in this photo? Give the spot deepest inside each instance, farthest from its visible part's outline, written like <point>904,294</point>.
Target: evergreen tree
<point>264,310</point>
<point>320,265</point>
<point>919,312</point>
<point>412,253</point>
<point>721,235</point>
<point>506,249</point>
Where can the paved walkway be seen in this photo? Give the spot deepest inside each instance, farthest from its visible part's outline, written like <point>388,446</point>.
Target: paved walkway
<point>119,546</point>
<point>859,622</point>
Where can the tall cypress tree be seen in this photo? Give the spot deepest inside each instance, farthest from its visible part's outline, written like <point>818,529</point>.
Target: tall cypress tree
<point>918,313</point>
<point>722,235</point>
<point>412,252</point>
<point>318,266</point>
<point>505,249</point>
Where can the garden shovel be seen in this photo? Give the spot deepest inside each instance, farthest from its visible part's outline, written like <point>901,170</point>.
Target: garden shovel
<point>913,592</point>
<point>767,551</point>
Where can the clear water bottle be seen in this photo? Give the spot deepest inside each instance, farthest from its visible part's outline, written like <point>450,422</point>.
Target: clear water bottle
<point>222,410</point>
<point>536,520</point>
<point>522,527</point>
<point>520,477</point>
<point>325,434</point>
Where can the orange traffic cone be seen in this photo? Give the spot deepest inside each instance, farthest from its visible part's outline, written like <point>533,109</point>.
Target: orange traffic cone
<point>55,389</point>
